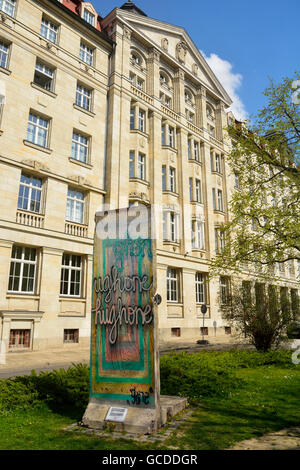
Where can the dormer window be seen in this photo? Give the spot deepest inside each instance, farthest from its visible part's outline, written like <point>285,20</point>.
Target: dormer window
<point>89,17</point>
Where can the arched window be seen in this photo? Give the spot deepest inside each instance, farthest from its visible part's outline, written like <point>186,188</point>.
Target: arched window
<point>210,113</point>
<point>189,97</point>
<point>136,59</point>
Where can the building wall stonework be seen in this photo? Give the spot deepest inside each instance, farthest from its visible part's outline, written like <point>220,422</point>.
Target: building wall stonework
<point>146,94</point>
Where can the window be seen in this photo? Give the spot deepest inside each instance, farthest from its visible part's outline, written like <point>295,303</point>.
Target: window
<point>70,280</point>
<point>142,166</point>
<point>172,179</point>
<point>89,17</point>
<point>212,166</point>
<point>214,199</point>
<point>210,113</point>
<point>220,200</point>
<point>131,165</point>
<point>189,115</point>
<point>83,97</point>
<point>211,130</point>
<point>173,227</point>
<point>189,149</point>
<point>172,285</point>
<point>49,30</point>
<point>139,83</point>
<point>37,130</point>
<point>198,190</point>
<point>4,50</point>
<point>136,59</point>
<point>191,188</point>
<point>80,147</point>
<point>86,53</point>
<point>75,206</point>
<point>142,120</point>
<point>219,240</point>
<point>19,339</point>
<point>163,135</point>
<point>22,273</point>
<point>30,193</point>
<point>8,6</point>
<point>196,151</point>
<point>163,176</point>
<point>44,76</point>
<point>204,330</point>
<point>164,79</point>
<point>200,288</point>
<point>218,163</point>
<point>132,118</point>
<point>197,234</point>
<point>224,290</point>
<point>71,336</point>
<point>176,332</point>
<point>171,137</point>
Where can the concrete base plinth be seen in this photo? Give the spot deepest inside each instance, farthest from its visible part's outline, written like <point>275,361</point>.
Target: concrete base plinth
<point>138,420</point>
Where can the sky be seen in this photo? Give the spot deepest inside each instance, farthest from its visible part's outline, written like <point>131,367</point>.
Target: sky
<point>245,43</point>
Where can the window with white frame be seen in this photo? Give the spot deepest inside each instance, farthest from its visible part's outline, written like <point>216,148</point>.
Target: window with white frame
<point>191,188</point>
<point>44,76</point>
<point>49,30</point>
<point>224,290</point>
<point>30,193</point>
<point>8,6</point>
<point>136,59</point>
<point>170,226</point>
<point>142,121</point>
<point>83,97</point>
<point>173,293</point>
<point>75,206</point>
<point>220,200</point>
<point>196,151</point>
<point>197,234</point>
<point>23,266</point>
<point>171,135</point>
<point>189,148</point>
<point>71,273</point>
<point>132,118</point>
<point>86,53</point>
<point>210,113</point>
<point>200,284</point>
<point>4,51</point>
<point>141,169</point>
<point>131,164</point>
<point>218,163</point>
<point>172,179</point>
<point>139,83</point>
<point>80,147</point>
<point>163,134</point>
<point>89,17</point>
<point>37,130</point>
<point>198,191</point>
<point>219,240</point>
<point>164,177</point>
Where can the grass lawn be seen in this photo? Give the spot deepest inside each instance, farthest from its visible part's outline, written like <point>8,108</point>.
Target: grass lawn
<point>268,400</point>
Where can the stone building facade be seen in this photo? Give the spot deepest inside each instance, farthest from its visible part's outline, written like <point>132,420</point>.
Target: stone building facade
<point>117,110</point>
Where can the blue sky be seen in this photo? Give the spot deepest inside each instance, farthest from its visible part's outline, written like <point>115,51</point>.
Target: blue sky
<point>244,42</point>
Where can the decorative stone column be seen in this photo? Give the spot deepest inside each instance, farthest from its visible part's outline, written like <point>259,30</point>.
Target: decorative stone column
<point>179,101</point>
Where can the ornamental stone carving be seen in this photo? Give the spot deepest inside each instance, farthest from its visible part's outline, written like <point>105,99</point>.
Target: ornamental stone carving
<point>195,69</point>
<point>165,44</point>
<point>181,50</point>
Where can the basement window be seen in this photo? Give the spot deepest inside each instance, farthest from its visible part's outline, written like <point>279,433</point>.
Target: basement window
<point>71,336</point>
<point>175,332</point>
<point>19,339</point>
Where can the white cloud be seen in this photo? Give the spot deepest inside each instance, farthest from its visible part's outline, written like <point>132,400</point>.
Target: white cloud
<point>230,81</point>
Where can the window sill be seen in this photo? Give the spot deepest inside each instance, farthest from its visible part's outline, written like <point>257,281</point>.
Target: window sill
<point>193,160</point>
<point>197,203</point>
<point>216,211</point>
<point>37,147</point>
<point>168,147</point>
<point>78,162</point>
<point>214,172</point>
<point>139,180</point>
<point>18,295</point>
<point>86,111</point>
<point>47,92</point>
<point>4,70</point>
<point>1,132</point>
<point>170,242</point>
<point>167,191</point>
<point>138,131</point>
<point>69,297</point>
<point>174,302</point>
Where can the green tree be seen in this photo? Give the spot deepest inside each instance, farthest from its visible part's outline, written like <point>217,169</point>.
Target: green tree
<point>264,222</point>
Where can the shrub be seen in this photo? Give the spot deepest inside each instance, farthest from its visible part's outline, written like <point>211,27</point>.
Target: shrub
<point>14,394</point>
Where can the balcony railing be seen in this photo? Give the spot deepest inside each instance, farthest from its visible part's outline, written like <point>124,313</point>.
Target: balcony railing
<point>78,230</point>
<point>141,94</point>
<point>30,218</point>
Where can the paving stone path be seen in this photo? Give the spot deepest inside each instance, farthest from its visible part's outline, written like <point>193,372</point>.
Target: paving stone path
<point>286,439</point>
